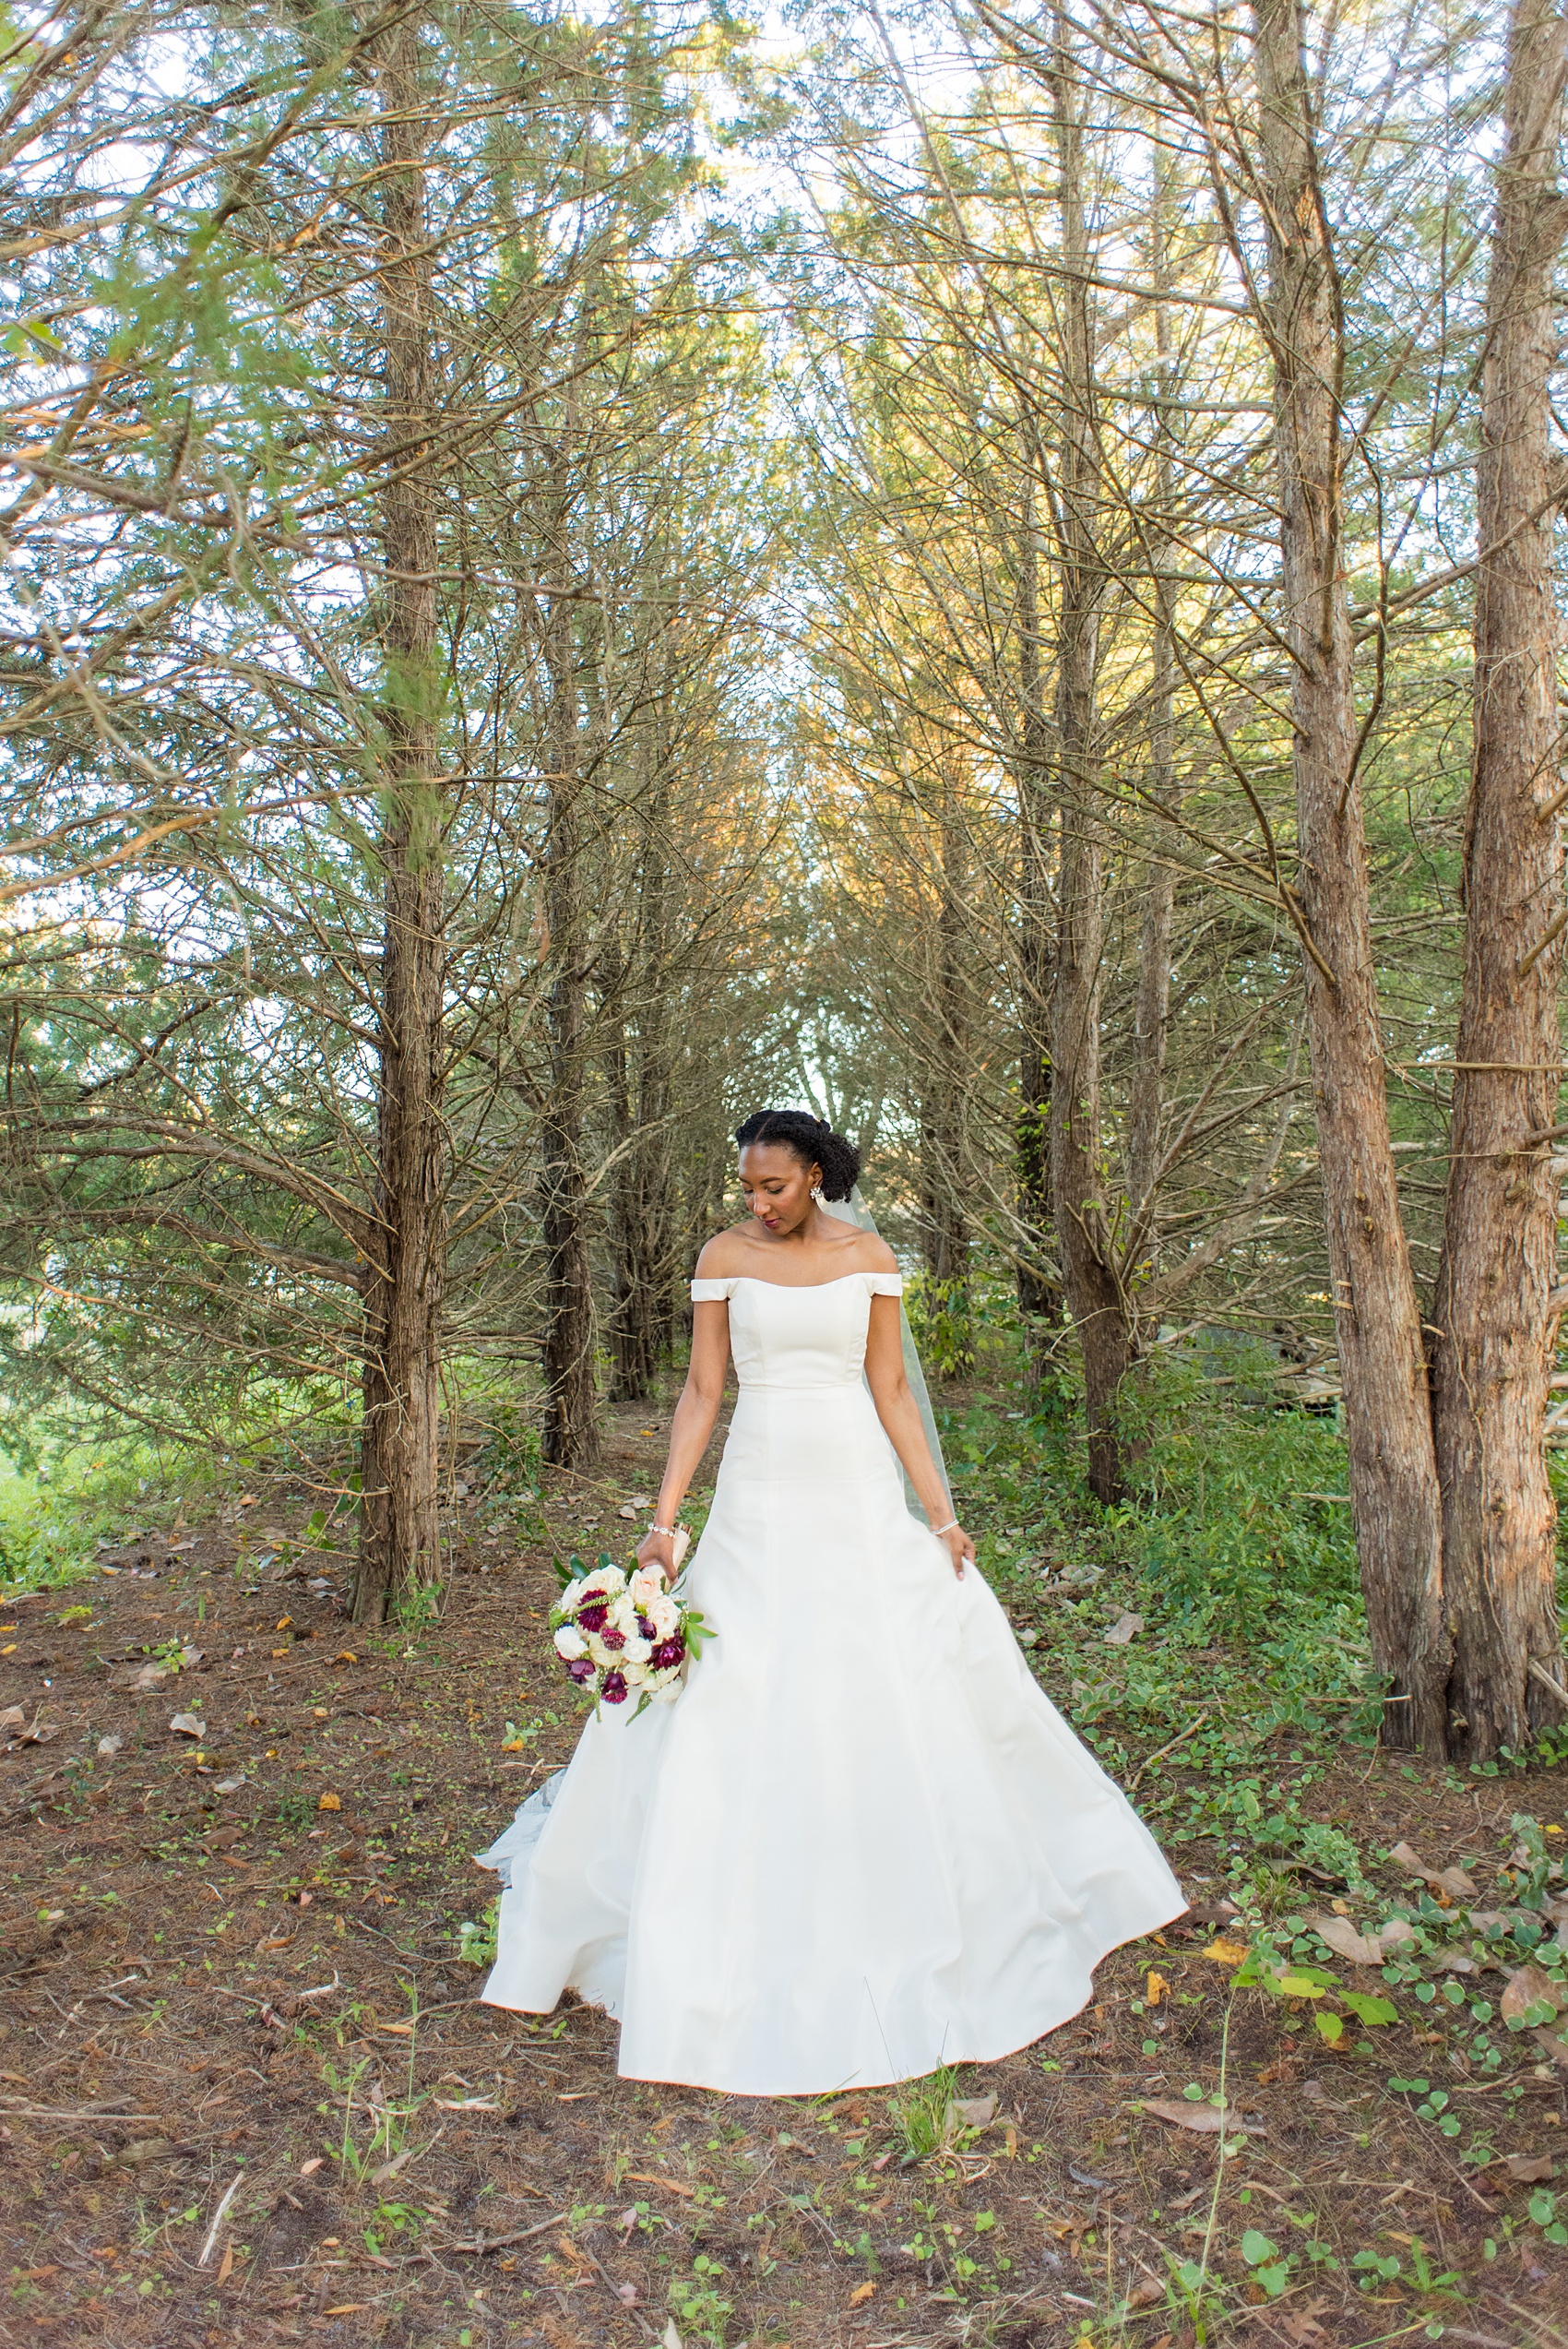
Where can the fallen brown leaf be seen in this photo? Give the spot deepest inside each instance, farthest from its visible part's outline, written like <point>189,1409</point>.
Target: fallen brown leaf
<point>150,2149</point>
<point>1205,2120</point>
<point>1226,1953</point>
<point>1126,1627</point>
<point>1300,2325</point>
<point>671,2185</point>
<point>148,1676</point>
<point>861,2292</point>
<point>1529,2169</point>
<point>1344,1940</point>
<point>36,1731</point>
<point>187,1724</point>
<point>973,2112</point>
<point>1444,1884</point>
<point>1526,1986</point>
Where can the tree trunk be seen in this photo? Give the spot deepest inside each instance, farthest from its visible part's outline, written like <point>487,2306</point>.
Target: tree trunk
<point>1393,1475</point>
<point>1152,1015</point>
<point>399,1545</point>
<point>1077,1176</point>
<point>1491,1342</point>
<point>1039,1293</point>
<point>643,1236</point>
<point>570,1435</point>
<point>946,1227</point>
<point>628,1366</point>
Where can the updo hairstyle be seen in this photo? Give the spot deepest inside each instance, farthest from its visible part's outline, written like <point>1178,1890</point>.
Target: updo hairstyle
<point>814,1143</point>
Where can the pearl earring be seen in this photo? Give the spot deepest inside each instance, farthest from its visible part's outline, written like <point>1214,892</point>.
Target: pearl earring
<point>817,1193</point>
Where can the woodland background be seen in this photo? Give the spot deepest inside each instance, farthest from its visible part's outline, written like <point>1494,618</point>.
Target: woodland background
<point>573,574</point>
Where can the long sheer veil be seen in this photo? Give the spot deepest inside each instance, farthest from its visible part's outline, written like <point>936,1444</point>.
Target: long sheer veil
<point>854,1210</point>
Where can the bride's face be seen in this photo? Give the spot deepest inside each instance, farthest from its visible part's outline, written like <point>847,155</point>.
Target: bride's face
<point>776,1186</point>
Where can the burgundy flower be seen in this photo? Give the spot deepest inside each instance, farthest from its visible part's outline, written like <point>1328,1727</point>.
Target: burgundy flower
<point>592,1617</point>
<point>614,1638</point>
<point>645,1627</point>
<point>581,1670</point>
<point>668,1651</point>
<point>614,1689</point>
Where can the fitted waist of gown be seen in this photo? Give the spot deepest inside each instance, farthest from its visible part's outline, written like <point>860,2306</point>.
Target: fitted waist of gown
<point>782,1431</point>
<point>832,1387</point>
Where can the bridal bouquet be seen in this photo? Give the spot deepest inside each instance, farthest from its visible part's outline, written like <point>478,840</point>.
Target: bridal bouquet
<point>623,1634</point>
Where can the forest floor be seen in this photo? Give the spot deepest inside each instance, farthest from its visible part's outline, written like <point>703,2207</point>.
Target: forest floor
<point>247,2093</point>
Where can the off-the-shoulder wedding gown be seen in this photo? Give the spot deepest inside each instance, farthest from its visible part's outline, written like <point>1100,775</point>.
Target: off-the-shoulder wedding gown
<point>861,1843</point>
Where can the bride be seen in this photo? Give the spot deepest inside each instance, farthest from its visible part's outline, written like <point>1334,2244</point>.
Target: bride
<point>862,1843</point>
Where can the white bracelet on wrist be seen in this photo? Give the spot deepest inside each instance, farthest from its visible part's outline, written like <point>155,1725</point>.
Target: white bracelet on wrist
<point>951,1527</point>
<point>663,1529</point>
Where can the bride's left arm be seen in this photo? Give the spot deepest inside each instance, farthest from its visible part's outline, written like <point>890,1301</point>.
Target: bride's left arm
<point>900,1416</point>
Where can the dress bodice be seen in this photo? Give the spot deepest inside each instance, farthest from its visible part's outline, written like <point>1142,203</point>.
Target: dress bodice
<point>808,1337</point>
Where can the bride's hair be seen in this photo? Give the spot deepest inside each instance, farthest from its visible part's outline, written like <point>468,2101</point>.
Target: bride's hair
<point>812,1142</point>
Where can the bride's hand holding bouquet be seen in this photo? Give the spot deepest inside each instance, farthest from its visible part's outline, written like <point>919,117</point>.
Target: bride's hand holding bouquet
<point>661,1550</point>
<point>624,1634</point>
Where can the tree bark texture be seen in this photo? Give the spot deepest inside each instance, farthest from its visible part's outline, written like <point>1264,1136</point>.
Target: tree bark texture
<point>1078,1174</point>
<point>399,1545</point>
<point>1152,1011</point>
<point>570,1435</point>
<point>945,1219</point>
<point>1494,1323</point>
<point>1392,1474</point>
<point>1039,1293</point>
<point>643,1212</point>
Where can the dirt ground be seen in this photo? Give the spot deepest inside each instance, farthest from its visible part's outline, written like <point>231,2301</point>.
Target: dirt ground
<point>247,2093</point>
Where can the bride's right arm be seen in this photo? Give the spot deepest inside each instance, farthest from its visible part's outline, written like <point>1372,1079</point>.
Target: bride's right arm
<point>691,1428</point>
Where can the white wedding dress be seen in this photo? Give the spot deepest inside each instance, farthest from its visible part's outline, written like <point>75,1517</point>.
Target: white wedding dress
<point>861,1843</point>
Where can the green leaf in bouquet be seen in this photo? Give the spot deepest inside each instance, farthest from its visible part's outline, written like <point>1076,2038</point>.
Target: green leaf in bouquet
<point>570,1571</point>
<point>696,1630</point>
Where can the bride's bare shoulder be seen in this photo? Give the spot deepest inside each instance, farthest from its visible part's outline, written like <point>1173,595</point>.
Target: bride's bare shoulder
<point>723,1255</point>
<point>869,1249</point>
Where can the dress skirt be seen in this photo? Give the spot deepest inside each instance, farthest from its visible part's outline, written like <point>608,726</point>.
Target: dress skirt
<point>862,1843</point>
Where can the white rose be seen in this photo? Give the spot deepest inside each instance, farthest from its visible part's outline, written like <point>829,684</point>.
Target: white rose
<point>570,1596</point>
<point>636,1673</point>
<point>664,1615</point>
<point>624,1616</point>
<point>570,1643</point>
<point>646,1588</point>
<point>665,1690</point>
<point>637,1650</point>
<point>600,1653</point>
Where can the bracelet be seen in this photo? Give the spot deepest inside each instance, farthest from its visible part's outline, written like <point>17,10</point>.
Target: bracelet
<point>663,1529</point>
<point>951,1527</point>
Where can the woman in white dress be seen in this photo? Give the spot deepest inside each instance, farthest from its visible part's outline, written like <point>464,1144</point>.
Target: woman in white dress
<point>862,1843</point>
